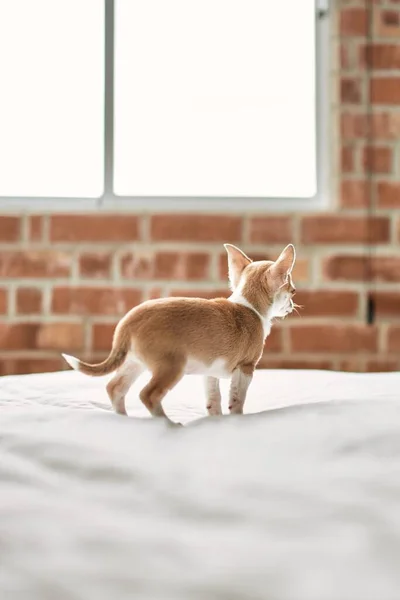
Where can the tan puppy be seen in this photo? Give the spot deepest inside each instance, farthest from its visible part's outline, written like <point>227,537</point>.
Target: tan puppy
<point>221,338</point>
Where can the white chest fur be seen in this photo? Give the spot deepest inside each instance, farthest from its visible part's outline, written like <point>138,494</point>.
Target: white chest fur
<point>216,369</point>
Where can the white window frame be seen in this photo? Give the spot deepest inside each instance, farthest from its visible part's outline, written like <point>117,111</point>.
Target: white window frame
<point>109,202</point>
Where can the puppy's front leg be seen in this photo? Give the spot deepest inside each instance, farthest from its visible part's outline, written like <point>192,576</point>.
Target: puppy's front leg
<point>241,379</point>
<point>213,396</point>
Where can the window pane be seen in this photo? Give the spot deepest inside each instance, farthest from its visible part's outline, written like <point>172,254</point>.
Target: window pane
<point>215,98</point>
<point>52,98</point>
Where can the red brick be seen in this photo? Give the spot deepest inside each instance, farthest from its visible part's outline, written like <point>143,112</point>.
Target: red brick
<point>270,362</point>
<point>10,229</point>
<point>271,230</point>
<point>354,194</point>
<point>28,301</point>
<point>385,90</point>
<point>137,265</point>
<point>333,229</point>
<point>362,268</point>
<point>94,300</point>
<point>352,365</point>
<point>334,339</point>
<point>353,22</point>
<point>208,294</point>
<point>94,228</point>
<point>274,342</point>
<point>329,303</point>
<point>380,56</point>
<point>381,365</point>
<point>301,270</point>
<point>350,90</point>
<point>388,194</point>
<point>379,125</point>
<point>178,265</point>
<point>354,126</point>
<point>3,301</point>
<point>35,263</point>
<point>94,265</point>
<point>60,336</point>
<point>35,228</point>
<point>385,268</point>
<point>346,61</point>
<point>18,336</point>
<point>387,304</point>
<point>387,23</point>
<point>166,265</point>
<point>394,338</point>
<point>39,336</point>
<point>347,159</point>
<point>346,267</point>
<point>377,159</point>
<point>223,267</point>
<point>102,335</point>
<point>386,125</point>
<point>196,228</point>
<point>26,366</point>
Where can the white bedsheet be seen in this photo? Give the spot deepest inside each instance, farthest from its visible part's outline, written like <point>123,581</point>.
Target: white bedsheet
<point>294,504</point>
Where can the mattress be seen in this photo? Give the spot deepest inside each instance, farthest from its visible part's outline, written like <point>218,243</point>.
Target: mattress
<point>296,500</point>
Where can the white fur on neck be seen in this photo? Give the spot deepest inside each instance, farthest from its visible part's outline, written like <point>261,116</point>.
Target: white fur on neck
<point>238,298</point>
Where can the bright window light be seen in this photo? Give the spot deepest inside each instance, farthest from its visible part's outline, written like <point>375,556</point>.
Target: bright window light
<point>215,98</point>
<point>52,98</point>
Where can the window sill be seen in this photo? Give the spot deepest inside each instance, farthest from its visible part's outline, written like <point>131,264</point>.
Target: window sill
<point>115,204</point>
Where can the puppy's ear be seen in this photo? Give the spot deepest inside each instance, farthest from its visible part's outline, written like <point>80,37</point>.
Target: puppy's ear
<point>283,266</point>
<point>237,262</point>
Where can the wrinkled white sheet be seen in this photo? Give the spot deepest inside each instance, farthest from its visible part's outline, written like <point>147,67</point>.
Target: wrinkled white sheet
<point>301,503</point>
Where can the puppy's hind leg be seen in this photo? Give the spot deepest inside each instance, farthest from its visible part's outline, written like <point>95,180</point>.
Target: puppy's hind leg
<point>118,386</point>
<point>213,396</point>
<point>166,374</point>
<point>241,379</point>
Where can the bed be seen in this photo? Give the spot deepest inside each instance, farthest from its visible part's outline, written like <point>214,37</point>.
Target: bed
<point>299,499</point>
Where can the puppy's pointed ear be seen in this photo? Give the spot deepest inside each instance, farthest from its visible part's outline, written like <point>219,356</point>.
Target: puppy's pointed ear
<point>283,266</point>
<point>237,262</point>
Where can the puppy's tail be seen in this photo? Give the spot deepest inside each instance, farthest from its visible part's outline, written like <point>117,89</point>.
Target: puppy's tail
<point>120,349</point>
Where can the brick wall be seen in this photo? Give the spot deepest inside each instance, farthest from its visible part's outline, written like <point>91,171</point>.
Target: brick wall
<point>66,279</point>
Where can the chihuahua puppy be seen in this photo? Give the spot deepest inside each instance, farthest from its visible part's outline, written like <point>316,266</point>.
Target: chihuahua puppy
<point>220,338</point>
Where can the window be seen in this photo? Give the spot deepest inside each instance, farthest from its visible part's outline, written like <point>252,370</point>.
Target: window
<point>215,98</point>
<point>155,102</point>
<point>52,98</point>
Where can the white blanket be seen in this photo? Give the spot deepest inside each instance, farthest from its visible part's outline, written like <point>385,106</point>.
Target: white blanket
<point>301,503</point>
